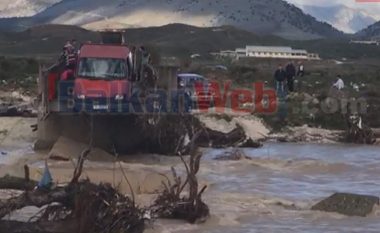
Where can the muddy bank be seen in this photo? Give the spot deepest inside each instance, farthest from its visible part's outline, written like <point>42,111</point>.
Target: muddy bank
<point>101,167</point>
<point>15,131</point>
<point>111,132</point>
<point>259,131</point>
<point>17,103</point>
<point>162,134</point>
<point>308,134</point>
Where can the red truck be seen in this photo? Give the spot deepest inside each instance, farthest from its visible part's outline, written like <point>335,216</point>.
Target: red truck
<point>104,78</point>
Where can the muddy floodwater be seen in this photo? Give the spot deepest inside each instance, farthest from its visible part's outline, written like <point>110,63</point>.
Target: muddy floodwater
<point>274,191</point>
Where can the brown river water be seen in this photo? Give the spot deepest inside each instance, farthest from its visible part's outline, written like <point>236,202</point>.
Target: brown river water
<point>274,191</point>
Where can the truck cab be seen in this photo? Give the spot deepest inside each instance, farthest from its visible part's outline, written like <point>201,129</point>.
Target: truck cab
<point>103,77</point>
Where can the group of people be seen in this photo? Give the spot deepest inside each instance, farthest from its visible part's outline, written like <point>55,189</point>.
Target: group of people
<point>285,77</point>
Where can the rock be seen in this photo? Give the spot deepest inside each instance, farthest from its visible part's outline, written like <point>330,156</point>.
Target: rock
<point>216,139</point>
<point>16,95</point>
<point>41,145</point>
<point>16,104</point>
<point>376,132</point>
<point>66,149</point>
<point>315,101</point>
<point>249,143</point>
<point>348,204</point>
<point>252,127</point>
<point>307,98</point>
<point>222,123</point>
<point>234,155</point>
<point>377,143</point>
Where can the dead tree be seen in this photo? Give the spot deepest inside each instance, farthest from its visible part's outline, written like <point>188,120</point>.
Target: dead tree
<point>172,204</point>
<point>358,132</point>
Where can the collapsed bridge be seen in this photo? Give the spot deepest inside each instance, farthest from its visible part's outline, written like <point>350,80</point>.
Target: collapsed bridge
<point>86,101</point>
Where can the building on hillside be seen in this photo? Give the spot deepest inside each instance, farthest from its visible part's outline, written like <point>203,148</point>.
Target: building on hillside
<point>313,56</point>
<point>240,53</point>
<point>366,42</point>
<point>268,52</point>
<point>225,53</point>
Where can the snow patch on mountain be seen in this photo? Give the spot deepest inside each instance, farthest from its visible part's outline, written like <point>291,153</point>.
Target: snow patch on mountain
<point>148,18</point>
<point>342,17</point>
<point>24,8</point>
<point>275,17</point>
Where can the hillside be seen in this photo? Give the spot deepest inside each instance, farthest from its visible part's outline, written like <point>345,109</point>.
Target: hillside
<point>275,17</point>
<point>46,40</point>
<point>180,39</point>
<point>371,32</point>
<point>172,40</point>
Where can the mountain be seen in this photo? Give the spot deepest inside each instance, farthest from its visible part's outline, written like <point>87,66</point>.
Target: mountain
<point>276,17</point>
<point>24,8</point>
<point>371,32</point>
<point>342,17</point>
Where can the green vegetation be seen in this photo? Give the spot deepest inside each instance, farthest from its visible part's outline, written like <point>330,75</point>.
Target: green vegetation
<point>361,77</point>
<point>18,72</point>
<point>358,64</point>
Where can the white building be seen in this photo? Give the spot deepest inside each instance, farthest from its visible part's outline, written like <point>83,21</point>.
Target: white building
<point>241,53</point>
<point>269,52</point>
<point>226,53</point>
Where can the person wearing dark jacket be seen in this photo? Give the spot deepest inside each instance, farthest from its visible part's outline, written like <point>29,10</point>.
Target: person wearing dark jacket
<point>290,75</point>
<point>280,77</point>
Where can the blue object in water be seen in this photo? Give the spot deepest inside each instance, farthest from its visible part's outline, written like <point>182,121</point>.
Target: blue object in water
<point>46,180</point>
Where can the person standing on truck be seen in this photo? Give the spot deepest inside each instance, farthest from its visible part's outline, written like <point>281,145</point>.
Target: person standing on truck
<point>145,56</point>
<point>69,55</point>
<point>290,75</point>
<point>280,77</point>
<point>147,72</point>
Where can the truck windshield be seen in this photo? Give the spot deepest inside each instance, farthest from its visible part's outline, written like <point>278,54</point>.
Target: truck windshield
<point>102,68</point>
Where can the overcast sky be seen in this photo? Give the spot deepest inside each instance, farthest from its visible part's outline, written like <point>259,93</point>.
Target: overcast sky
<point>373,8</point>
